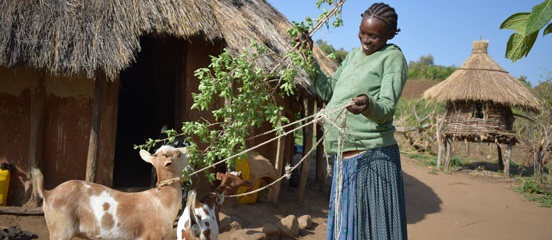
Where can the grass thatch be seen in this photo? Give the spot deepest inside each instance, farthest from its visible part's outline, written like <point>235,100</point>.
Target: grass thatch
<point>480,78</point>
<point>76,37</point>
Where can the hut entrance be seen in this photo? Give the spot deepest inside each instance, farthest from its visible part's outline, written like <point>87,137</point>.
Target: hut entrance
<point>149,98</point>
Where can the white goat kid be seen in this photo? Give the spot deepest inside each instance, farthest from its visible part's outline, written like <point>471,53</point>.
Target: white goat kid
<point>200,219</point>
<point>93,211</point>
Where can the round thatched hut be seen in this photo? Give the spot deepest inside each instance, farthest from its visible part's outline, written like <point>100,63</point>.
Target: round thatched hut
<point>479,97</point>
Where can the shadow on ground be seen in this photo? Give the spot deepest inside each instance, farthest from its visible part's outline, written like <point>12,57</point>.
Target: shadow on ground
<point>421,200</point>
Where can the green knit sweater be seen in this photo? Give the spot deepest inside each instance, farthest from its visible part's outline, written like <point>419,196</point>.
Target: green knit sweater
<point>380,75</point>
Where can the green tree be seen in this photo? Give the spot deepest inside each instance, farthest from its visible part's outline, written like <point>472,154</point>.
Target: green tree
<point>544,91</point>
<point>426,60</point>
<point>527,26</point>
<point>425,68</point>
<point>523,79</point>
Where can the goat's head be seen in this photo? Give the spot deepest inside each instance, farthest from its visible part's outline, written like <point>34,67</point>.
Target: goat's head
<point>230,182</point>
<point>168,157</point>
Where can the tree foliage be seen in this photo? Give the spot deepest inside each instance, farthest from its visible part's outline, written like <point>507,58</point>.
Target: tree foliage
<point>536,133</point>
<point>249,93</point>
<point>527,26</point>
<point>425,68</point>
<point>337,55</point>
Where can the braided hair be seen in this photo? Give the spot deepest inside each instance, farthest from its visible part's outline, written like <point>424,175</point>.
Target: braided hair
<point>385,13</point>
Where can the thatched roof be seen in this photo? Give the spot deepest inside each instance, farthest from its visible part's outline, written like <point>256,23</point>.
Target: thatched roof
<point>480,78</point>
<point>70,37</point>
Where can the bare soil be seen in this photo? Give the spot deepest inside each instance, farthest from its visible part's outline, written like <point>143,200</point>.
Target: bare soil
<point>475,204</point>
<point>414,88</point>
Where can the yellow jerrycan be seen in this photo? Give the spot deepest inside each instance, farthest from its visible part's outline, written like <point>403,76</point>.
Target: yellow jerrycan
<point>4,183</point>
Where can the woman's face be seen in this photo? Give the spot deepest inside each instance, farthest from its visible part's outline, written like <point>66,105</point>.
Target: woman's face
<point>373,34</point>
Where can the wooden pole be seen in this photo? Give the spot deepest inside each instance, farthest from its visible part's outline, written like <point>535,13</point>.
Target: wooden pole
<point>23,211</point>
<point>467,148</point>
<point>508,159</point>
<point>92,158</point>
<point>309,130</point>
<point>500,159</point>
<point>439,140</point>
<point>448,145</point>
<point>320,160</point>
<point>38,110</point>
<point>279,165</point>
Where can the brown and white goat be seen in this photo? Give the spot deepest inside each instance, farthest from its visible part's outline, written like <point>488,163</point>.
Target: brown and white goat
<point>200,219</point>
<point>93,211</point>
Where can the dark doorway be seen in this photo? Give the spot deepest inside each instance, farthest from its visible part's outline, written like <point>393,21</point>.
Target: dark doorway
<point>148,99</point>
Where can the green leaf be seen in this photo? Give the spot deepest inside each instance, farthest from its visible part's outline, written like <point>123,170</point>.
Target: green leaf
<point>519,45</point>
<point>516,22</point>
<point>540,16</point>
<point>548,29</point>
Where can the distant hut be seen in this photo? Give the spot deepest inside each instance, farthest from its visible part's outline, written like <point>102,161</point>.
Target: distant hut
<point>479,97</point>
<point>83,81</point>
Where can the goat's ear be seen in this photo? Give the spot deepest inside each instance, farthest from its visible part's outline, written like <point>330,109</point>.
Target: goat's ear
<point>145,155</point>
<point>184,150</point>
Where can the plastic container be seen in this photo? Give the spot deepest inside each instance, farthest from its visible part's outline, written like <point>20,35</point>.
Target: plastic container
<point>243,165</point>
<point>4,184</point>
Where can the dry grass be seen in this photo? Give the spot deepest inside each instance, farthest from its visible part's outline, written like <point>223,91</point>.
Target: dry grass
<point>88,38</point>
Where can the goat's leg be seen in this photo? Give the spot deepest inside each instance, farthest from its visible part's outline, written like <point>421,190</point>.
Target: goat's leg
<point>59,231</point>
<point>60,224</point>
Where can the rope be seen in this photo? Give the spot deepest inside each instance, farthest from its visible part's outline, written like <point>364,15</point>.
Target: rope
<point>289,170</point>
<point>282,127</point>
<point>338,184</point>
<point>169,182</point>
<point>316,119</point>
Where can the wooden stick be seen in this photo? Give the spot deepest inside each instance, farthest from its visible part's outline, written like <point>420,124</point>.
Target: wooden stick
<point>92,157</point>
<point>21,211</point>
<point>38,108</point>
<point>279,165</point>
<point>306,148</point>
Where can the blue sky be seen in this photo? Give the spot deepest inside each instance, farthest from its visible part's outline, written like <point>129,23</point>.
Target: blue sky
<point>442,28</point>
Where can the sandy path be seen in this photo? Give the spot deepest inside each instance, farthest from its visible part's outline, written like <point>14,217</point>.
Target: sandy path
<point>461,206</point>
<point>439,206</point>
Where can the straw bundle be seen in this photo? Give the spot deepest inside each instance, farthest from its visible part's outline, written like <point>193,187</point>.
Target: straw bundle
<point>480,78</point>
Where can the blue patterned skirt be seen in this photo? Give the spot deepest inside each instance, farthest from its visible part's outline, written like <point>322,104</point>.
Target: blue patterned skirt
<point>371,198</point>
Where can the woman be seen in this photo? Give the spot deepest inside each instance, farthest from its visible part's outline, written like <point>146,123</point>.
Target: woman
<point>367,196</point>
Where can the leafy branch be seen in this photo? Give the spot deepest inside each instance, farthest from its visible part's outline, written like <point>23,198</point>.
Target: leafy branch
<point>527,26</point>
<point>249,92</point>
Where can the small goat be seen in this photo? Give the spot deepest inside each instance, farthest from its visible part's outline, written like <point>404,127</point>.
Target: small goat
<point>200,219</point>
<point>93,211</point>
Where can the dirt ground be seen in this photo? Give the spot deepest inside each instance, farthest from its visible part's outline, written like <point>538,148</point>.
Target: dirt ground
<point>460,205</point>
<point>415,88</point>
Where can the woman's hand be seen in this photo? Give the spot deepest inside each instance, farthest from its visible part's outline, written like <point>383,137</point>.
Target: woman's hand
<point>360,105</point>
